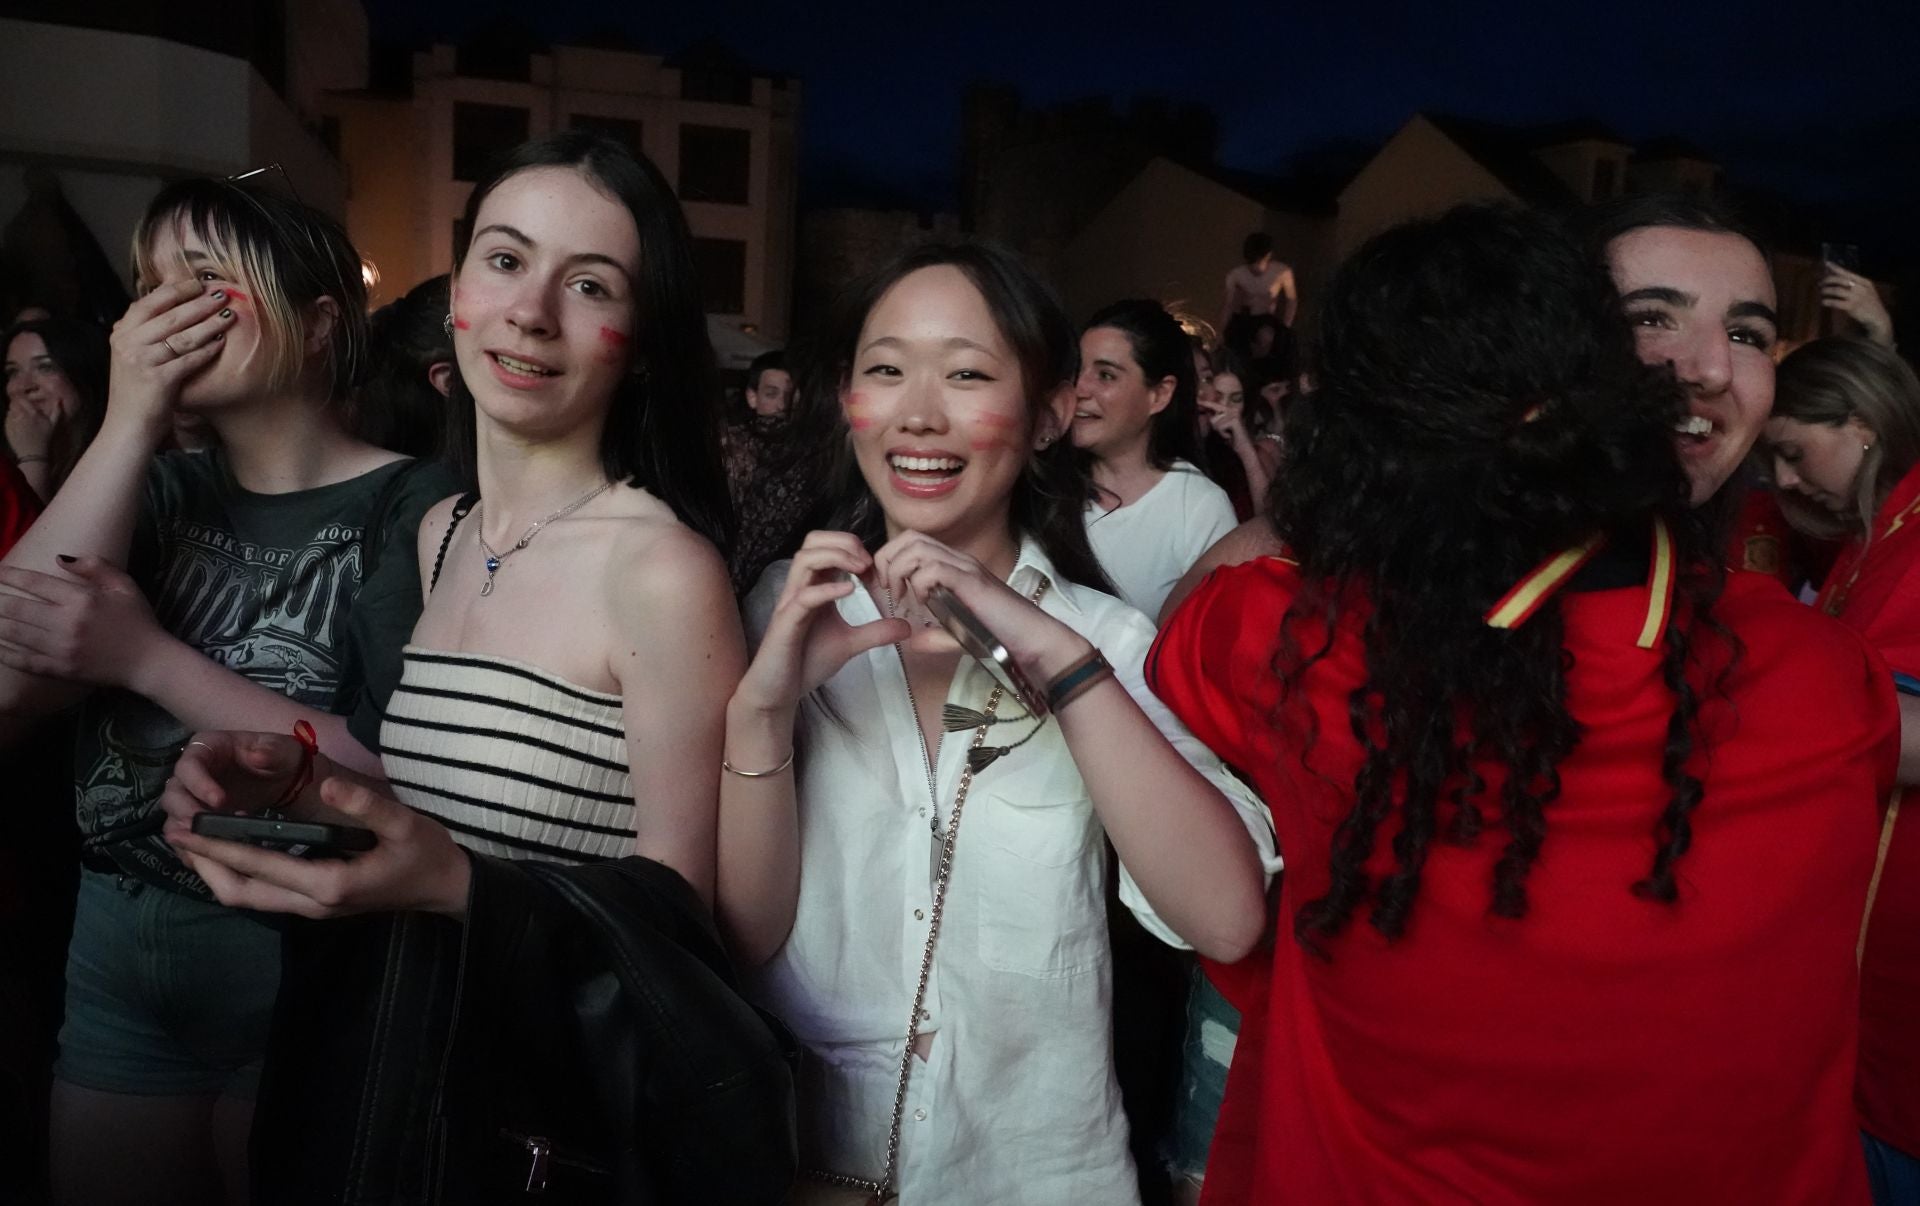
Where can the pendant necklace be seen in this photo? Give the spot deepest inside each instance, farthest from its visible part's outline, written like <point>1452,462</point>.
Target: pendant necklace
<point>496,560</point>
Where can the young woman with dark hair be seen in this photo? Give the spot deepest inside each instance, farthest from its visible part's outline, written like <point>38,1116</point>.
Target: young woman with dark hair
<point>1845,445</point>
<point>1154,512</point>
<point>243,586</point>
<point>928,911</point>
<point>56,394</point>
<point>563,696</point>
<point>1538,765</point>
<point>578,371</point>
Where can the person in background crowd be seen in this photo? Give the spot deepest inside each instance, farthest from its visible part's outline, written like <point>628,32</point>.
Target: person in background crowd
<point>56,393</point>
<point>929,912</point>
<point>238,587</point>
<point>773,488</point>
<point>1242,447</point>
<point>410,373</point>
<point>1153,512</point>
<point>1258,287</point>
<point>1538,764</point>
<point>1844,440</point>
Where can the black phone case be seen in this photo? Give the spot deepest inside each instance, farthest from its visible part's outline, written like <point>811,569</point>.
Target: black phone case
<point>307,839</point>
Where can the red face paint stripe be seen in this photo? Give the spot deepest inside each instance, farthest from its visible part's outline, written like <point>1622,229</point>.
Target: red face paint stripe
<point>612,337</point>
<point>461,324</point>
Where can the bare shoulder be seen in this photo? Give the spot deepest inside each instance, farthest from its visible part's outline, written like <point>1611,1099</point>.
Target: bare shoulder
<point>657,564</point>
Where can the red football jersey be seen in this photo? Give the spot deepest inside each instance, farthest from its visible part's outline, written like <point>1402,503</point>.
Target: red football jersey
<point>1604,1048</point>
<point>1875,589</point>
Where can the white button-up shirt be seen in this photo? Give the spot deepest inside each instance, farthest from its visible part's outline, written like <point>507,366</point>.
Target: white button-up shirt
<point>1016,1101</point>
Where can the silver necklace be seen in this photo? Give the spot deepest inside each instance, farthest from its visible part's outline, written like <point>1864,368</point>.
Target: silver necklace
<point>496,560</point>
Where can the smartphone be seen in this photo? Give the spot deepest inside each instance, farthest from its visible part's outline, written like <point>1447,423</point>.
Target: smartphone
<point>302,839</point>
<point>1842,255</point>
<point>980,644</point>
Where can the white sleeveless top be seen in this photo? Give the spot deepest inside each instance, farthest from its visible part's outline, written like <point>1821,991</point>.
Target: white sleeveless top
<point>514,761</point>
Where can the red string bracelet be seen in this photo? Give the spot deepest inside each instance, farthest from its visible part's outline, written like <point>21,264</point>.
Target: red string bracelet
<point>309,748</point>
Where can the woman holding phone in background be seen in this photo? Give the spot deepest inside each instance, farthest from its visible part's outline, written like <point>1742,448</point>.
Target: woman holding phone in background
<point>929,912</point>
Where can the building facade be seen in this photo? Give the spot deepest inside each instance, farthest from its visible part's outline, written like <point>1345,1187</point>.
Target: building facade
<point>105,102</point>
<point>724,138</point>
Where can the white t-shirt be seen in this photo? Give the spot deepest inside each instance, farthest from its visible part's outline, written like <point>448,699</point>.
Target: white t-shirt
<point>1016,1103</point>
<point>1149,544</point>
<point>1251,292</point>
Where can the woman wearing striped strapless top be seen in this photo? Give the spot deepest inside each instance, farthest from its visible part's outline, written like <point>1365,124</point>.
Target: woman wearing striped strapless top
<point>515,761</point>
<point>579,640</point>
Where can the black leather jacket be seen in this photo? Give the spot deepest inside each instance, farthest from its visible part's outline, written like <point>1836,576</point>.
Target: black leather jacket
<point>578,1039</point>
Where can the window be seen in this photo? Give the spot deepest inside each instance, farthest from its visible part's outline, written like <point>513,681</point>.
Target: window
<point>714,164</point>
<point>1606,178</point>
<point>482,131</point>
<point>623,130</point>
<point>723,274</point>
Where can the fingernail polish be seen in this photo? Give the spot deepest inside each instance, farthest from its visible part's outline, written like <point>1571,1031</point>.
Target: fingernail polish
<point>218,335</point>
<point>66,560</point>
<point>219,295</point>
<point>226,313</point>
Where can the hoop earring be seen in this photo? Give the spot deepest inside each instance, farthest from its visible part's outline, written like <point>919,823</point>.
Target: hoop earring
<point>447,326</point>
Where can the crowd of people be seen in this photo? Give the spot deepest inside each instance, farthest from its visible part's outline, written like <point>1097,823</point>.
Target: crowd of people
<point>992,758</point>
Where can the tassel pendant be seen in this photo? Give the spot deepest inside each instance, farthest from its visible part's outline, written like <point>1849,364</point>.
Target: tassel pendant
<point>954,718</point>
<point>980,757</point>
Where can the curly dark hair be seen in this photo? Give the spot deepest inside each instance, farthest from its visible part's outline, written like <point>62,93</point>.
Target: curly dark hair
<point>1480,408</point>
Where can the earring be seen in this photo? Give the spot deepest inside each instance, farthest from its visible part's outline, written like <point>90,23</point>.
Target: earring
<point>1046,442</point>
<point>448,324</point>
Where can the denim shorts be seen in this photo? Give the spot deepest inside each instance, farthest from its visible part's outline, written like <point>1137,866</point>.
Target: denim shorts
<point>1213,1029</point>
<point>167,995</point>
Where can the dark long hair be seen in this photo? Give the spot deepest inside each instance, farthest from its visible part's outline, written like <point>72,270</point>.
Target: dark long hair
<point>1480,408</point>
<point>80,350</point>
<point>1162,349</point>
<point>1051,494</point>
<point>663,425</point>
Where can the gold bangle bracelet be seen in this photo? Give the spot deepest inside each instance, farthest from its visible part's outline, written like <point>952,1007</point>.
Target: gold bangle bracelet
<point>731,769</point>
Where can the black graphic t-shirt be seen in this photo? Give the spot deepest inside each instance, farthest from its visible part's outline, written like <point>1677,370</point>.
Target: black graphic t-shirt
<point>271,587</point>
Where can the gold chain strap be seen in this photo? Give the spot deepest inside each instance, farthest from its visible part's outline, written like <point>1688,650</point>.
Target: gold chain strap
<point>882,1190</point>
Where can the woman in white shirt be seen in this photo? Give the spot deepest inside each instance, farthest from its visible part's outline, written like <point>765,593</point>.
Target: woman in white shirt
<point>1153,513</point>
<point>935,935</point>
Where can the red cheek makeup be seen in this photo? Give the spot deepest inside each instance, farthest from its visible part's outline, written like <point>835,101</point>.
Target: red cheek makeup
<point>613,345</point>
<point>856,408</point>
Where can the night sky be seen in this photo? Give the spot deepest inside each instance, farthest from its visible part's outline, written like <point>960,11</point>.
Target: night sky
<point>1790,97</point>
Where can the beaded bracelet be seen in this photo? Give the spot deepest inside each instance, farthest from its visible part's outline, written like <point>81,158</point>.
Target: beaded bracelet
<point>1075,679</point>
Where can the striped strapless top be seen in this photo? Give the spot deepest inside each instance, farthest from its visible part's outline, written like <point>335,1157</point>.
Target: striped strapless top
<point>514,761</point>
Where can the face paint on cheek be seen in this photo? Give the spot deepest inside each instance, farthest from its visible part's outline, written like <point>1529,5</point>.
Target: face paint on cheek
<point>856,407</point>
<point>613,345</point>
<point>461,324</point>
<point>1000,432</point>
